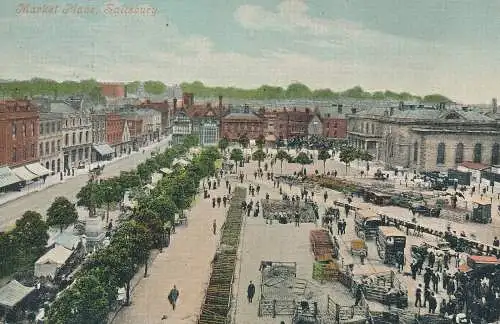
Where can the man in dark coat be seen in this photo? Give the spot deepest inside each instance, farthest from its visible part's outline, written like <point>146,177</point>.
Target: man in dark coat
<point>250,291</point>
<point>173,296</point>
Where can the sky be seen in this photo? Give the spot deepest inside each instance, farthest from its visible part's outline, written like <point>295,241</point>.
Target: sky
<point>426,46</point>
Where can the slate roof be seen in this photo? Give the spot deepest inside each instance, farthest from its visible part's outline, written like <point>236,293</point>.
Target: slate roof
<point>13,293</point>
<point>62,107</point>
<point>242,116</point>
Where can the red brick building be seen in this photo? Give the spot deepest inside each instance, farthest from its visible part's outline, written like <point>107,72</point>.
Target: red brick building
<point>293,123</point>
<point>334,126</point>
<point>113,89</point>
<point>236,124</point>
<point>19,131</point>
<point>114,128</point>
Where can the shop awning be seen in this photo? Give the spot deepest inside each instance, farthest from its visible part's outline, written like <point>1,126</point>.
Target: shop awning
<point>7,177</point>
<point>24,174</point>
<point>104,149</point>
<point>13,293</point>
<point>38,169</point>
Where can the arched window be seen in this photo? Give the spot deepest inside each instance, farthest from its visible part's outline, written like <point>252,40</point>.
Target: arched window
<point>74,139</point>
<point>477,153</point>
<point>440,153</point>
<point>415,152</point>
<point>459,153</point>
<point>66,140</point>
<point>495,154</point>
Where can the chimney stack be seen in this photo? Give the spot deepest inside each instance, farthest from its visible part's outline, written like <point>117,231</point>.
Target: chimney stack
<point>220,101</point>
<point>494,105</point>
<point>175,104</point>
<point>391,111</point>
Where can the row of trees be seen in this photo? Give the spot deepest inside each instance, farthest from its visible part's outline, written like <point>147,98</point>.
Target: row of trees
<point>23,245</point>
<point>47,87</point>
<point>94,291</point>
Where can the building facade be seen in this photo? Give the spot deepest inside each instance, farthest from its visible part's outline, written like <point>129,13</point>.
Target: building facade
<point>315,127</point>
<point>50,142</point>
<point>151,124</point>
<point>114,132</point>
<point>431,139</point>
<point>293,123</point>
<point>334,121</point>
<point>19,132</point>
<point>235,125</point>
<point>182,126</point>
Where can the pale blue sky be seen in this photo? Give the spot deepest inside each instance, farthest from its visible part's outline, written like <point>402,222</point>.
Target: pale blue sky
<point>425,46</point>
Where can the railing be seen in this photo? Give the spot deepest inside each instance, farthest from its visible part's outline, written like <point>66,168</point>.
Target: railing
<point>274,307</point>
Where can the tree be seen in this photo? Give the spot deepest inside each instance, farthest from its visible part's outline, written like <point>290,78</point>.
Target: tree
<point>243,140</point>
<point>61,213</point>
<point>31,232</point>
<point>223,144</point>
<point>109,192</point>
<point>261,141</point>
<point>303,159</point>
<point>324,155</point>
<point>86,197</point>
<point>298,91</point>
<point>191,141</point>
<point>282,155</point>
<point>259,156</point>
<point>236,156</point>
<point>347,155</point>
<point>154,87</point>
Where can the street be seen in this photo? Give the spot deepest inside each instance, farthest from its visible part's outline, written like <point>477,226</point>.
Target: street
<point>40,201</point>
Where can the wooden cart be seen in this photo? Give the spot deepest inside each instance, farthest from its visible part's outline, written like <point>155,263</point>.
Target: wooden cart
<point>358,247</point>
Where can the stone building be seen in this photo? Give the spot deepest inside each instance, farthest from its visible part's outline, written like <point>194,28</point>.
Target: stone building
<point>426,138</point>
<point>151,128</point>
<point>315,127</point>
<point>50,141</point>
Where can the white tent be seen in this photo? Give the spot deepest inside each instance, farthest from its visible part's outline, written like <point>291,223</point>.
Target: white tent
<point>13,293</point>
<point>181,162</point>
<point>52,261</point>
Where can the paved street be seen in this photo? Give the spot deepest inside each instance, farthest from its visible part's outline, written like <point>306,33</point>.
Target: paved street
<point>185,263</point>
<point>40,200</point>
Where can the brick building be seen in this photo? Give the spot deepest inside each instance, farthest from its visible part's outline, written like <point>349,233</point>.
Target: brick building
<point>134,125</point>
<point>334,121</point>
<point>19,132</point>
<point>235,125</point>
<point>293,123</point>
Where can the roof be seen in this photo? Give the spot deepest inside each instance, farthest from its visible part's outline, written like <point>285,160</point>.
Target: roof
<point>481,202</point>
<point>57,255</point>
<point>13,293</point>
<point>7,177</point>
<point>24,173</point>
<point>67,240</point>
<point>242,116</point>
<point>390,231</point>
<point>484,259</point>
<point>104,149</point>
<point>62,107</point>
<point>38,169</point>
<point>474,165</point>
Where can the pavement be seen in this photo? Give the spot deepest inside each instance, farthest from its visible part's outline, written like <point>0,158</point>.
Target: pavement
<point>40,197</point>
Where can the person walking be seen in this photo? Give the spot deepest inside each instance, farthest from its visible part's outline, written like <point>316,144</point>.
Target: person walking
<point>418,296</point>
<point>173,296</point>
<point>214,227</point>
<point>250,291</point>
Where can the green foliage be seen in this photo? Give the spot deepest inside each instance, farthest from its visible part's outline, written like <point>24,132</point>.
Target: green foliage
<point>303,158</point>
<point>324,155</point>
<point>436,98</point>
<point>365,156</point>
<point>261,141</point>
<point>259,156</point>
<point>154,87</point>
<point>282,155</point>
<point>299,91</point>
<point>348,154</point>
<point>236,156</point>
<point>191,141</point>
<point>243,140</point>
<point>223,144</point>
<point>61,213</point>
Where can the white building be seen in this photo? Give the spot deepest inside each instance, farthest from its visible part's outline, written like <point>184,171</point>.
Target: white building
<point>50,141</point>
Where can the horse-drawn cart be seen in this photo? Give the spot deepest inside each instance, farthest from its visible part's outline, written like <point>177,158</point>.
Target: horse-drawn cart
<point>359,247</point>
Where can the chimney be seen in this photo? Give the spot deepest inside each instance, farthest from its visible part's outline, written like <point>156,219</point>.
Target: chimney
<point>494,105</point>
<point>220,101</point>
<point>175,104</point>
<point>401,105</point>
<point>339,109</point>
<point>125,91</point>
<point>391,111</point>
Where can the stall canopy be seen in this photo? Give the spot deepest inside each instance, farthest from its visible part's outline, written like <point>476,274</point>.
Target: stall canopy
<point>13,293</point>
<point>24,174</point>
<point>38,169</point>
<point>52,261</point>
<point>7,177</point>
<point>166,170</point>
<point>104,149</point>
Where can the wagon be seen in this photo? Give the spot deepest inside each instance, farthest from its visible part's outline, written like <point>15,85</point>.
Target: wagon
<point>358,247</point>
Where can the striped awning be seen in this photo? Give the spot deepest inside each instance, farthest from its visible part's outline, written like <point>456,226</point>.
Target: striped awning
<point>7,177</point>
<point>38,169</point>
<point>24,174</point>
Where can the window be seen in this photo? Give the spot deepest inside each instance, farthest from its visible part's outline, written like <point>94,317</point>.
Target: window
<point>53,127</point>
<point>47,148</point>
<point>59,126</point>
<point>477,153</point>
<point>495,154</point>
<point>52,147</point>
<point>41,149</point>
<point>86,136</point>
<point>66,140</point>
<point>14,130</point>
<point>41,128</point>
<point>32,128</point>
<point>74,139</point>
<point>415,152</point>
<point>459,153</point>
<point>24,130</point>
<point>14,154</point>
<point>58,145</point>
<point>33,152</point>
<point>66,122</point>
<point>440,153</point>
<point>80,137</point>
<point>80,121</point>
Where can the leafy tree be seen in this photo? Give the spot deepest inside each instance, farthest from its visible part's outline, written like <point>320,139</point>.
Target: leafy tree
<point>259,156</point>
<point>243,140</point>
<point>303,159</point>
<point>435,98</point>
<point>298,90</point>
<point>9,250</point>
<point>324,155</point>
<point>86,197</point>
<point>191,141</point>
<point>365,156</point>
<point>236,156</point>
<point>154,87</point>
<point>223,144</point>
<point>31,232</point>
<point>347,155</point>
<point>282,155</point>
<point>108,192</point>
<point>61,213</point>
<point>261,141</point>
<point>130,179</point>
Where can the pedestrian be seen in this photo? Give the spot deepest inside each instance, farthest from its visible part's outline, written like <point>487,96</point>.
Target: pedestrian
<point>435,281</point>
<point>173,296</point>
<point>362,256</point>
<point>224,200</point>
<point>427,295</point>
<point>297,219</point>
<point>213,202</point>
<point>325,196</point>
<point>214,227</point>
<point>219,200</point>
<point>250,291</point>
<point>418,296</point>
<point>359,294</point>
<point>432,304</point>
